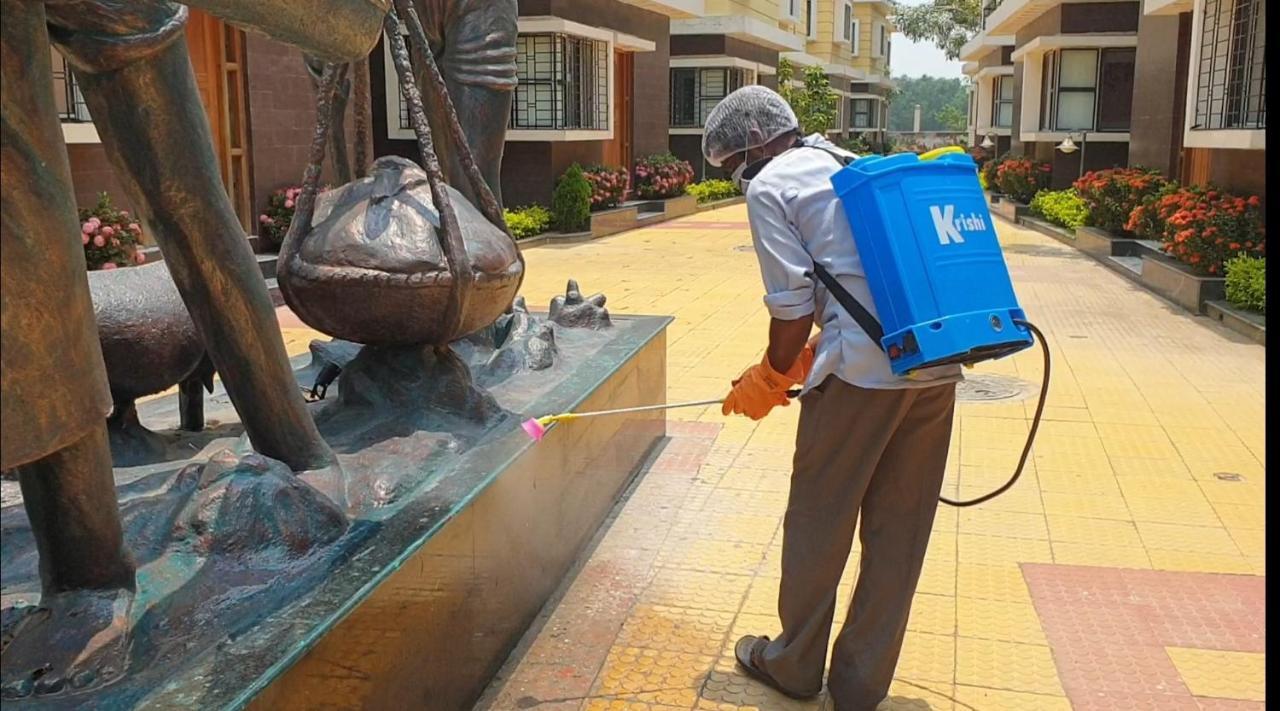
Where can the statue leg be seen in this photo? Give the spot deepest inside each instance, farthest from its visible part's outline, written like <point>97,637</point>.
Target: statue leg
<point>476,54</point>
<point>164,158</point>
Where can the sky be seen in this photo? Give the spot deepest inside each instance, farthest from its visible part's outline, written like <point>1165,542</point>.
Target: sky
<point>913,59</point>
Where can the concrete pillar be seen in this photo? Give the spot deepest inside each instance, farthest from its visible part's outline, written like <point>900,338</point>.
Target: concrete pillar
<point>915,121</point>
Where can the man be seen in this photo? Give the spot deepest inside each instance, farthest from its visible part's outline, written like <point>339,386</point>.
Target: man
<point>868,442</point>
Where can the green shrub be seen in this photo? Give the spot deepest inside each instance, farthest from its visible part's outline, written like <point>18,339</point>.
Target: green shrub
<point>982,180</point>
<point>988,172</point>
<point>1247,282</point>
<point>528,221</point>
<point>1064,208</point>
<point>713,189</point>
<point>571,201</point>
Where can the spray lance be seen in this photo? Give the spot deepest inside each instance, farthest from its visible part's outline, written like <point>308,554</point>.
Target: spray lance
<point>935,270</point>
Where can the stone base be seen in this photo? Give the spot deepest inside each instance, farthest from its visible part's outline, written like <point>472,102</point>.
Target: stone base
<point>1179,284</point>
<point>414,598</point>
<point>1099,243</point>
<point>1250,325</point>
<point>1008,209</point>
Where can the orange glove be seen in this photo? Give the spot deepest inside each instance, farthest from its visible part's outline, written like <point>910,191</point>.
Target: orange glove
<point>762,388</point>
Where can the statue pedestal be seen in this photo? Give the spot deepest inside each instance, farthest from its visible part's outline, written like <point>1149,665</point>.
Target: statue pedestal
<point>422,598</point>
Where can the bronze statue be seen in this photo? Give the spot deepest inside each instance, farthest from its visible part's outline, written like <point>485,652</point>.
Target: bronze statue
<point>132,65</point>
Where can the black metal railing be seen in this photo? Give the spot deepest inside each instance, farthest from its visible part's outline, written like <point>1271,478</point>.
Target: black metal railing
<point>1231,80</point>
<point>71,104</point>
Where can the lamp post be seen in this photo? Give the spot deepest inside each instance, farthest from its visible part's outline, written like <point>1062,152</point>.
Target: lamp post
<point>1068,146</point>
<point>987,142</point>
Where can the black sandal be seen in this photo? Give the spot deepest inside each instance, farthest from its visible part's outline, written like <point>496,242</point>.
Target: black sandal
<point>748,651</point>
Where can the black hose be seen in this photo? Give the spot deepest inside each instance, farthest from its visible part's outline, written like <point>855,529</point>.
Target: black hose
<point>1031,435</point>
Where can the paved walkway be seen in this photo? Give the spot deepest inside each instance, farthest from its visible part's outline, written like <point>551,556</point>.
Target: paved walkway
<point>1123,571</point>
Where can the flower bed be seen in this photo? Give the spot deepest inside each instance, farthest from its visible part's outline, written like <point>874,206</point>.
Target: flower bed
<point>1247,283</point>
<point>1112,195</point>
<point>1022,178</point>
<point>608,186</point>
<point>111,239</point>
<point>662,176</point>
<point>1201,227</point>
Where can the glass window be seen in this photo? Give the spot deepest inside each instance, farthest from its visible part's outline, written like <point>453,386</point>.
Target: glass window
<point>863,115</point>
<point>695,92</point>
<point>563,83</point>
<point>1230,86</point>
<point>1115,89</point>
<point>848,24</point>
<point>1077,82</point>
<point>1049,90</point>
<point>810,21</point>
<point>1002,102</point>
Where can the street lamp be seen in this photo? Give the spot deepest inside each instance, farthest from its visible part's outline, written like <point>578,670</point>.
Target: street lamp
<point>1068,146</point>
<point>987,142</point>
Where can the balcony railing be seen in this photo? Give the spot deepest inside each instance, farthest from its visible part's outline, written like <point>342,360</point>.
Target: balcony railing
<point>71,104</point>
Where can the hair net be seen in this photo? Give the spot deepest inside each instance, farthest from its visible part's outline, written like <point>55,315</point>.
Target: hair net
<point>747,118</point>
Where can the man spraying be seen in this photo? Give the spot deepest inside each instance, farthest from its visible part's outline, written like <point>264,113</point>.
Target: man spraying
<point>869,443</point>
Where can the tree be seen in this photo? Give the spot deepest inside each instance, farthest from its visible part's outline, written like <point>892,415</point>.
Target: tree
<point>933,94</point>
<point>948,24</point>
<point>951,118</point>
<point>815,103</point>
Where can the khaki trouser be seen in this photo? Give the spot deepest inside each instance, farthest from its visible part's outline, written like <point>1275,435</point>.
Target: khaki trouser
<point>881,453</point>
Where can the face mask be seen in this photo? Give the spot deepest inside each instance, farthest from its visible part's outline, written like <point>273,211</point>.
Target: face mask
<point>737,177</point>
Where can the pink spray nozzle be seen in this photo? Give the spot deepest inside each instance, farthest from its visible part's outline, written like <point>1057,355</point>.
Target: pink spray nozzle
<point>534,429</point>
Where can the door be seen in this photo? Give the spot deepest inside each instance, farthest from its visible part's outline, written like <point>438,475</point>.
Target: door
<point>217,60</point>
<point>617,152</point>
<point>1196,165</point>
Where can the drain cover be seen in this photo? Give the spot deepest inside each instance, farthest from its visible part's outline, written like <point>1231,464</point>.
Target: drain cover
<point>1228,476</point>
<point>985,387</point>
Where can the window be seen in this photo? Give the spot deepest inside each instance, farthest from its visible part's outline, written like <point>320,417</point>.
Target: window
<point>847,28</point>
<point>563,83</point>
<point>695,91</point>
<point>790,9</point>
<point>1002,102</point>
<point>883,40</point>
<point>1231,84</point>
<point>1087,89</point>
<point>810,20</point>
<point>67,96</point>
<point>863,113</point>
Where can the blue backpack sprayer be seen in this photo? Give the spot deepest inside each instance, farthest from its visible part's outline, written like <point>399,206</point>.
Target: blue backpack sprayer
<point>935,270</point>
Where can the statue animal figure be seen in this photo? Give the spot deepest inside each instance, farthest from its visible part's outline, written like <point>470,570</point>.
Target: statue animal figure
<point>149,344</point>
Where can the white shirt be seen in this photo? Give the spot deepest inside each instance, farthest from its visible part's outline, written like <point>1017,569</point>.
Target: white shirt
<point>797,218</point>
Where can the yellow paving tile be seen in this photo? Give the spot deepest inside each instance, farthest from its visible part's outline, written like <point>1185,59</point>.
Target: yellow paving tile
<point>676,587</point>
<point>935,614</point>
<point>983,699</point>
<point>1003,523</point>
<point>669,678</point>
<point>1009,666</point>
<point>1100,554</point>
<point>1190,511</point>
<point>1085,505</point>
<point>996,550</point>
<point>927,657</point>
<point>1077,529</point>
<point>1223,675</point>
<point>993,582</point>
<point>1193,539</point>
<point>1252,516</point>
<point>1200,562</point>
<point>909,695</point>
<point>998,620</point>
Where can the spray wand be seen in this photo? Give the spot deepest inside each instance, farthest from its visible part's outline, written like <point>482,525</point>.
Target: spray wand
<point>537,427</point>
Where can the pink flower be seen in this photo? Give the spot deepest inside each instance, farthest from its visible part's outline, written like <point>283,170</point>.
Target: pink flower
<point>108,231</point>
<point>99,241</point>
<point>288,204</point>
<point>84,238</point>
<point>135,228</point>
<point>87,228</point>
<point>124,213</point>
<point>139,257</point>
<point>109,265</point>
<point>263,219</point>
<point>115,242</point>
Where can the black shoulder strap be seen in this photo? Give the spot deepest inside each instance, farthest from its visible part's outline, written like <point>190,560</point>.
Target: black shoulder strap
<point>851,305</point>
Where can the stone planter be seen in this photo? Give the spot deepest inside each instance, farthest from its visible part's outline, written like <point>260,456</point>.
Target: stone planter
<point>1009,209</point>
<point>680,206</point>
<point>716,204</point>
<point>1044,227</point>
<point>613,220</point>
<point>1250,325</point>
<point>1101,244</point>
<point>1179,284</point>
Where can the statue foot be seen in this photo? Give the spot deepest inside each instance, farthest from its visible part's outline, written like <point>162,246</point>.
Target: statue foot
<point>575,311</point>
<point>330,481</point>
<point>69,643</point>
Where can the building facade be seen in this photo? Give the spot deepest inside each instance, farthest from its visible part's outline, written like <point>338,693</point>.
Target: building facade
<point>739,42</point>
<point>1176,85</point>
